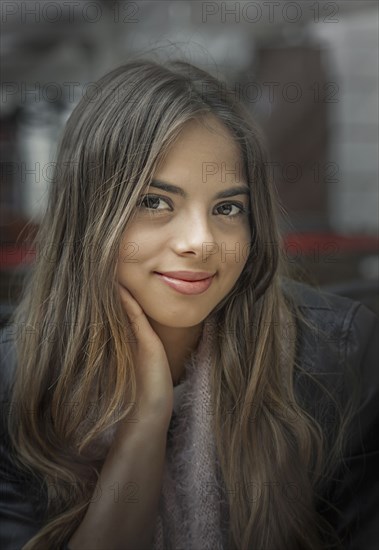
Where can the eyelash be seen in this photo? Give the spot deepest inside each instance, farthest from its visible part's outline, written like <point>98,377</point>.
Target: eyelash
<point>242,209</point>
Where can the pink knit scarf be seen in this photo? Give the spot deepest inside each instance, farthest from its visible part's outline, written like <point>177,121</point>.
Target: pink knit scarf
<point>192,512</point>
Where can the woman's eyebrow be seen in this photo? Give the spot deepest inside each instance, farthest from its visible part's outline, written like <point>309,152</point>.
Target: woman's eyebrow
<point>170,188</point>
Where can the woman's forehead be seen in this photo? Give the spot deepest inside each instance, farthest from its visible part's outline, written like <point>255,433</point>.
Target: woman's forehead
<point>207,141</point>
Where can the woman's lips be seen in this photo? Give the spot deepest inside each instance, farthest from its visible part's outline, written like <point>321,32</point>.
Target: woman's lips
<point>186,287</point>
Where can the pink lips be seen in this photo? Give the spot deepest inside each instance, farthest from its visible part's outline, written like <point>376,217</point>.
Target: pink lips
<point>186,286</point>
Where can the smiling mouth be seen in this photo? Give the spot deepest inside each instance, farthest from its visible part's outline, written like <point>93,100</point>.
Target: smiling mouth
<point>184,286</point>
<point>189,276</point>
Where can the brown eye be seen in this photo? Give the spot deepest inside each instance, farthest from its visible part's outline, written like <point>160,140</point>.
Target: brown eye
<point>239,209</point>
<point>151,202</point>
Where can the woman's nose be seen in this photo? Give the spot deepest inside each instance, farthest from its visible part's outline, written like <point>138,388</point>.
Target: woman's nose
<point>193,233</point>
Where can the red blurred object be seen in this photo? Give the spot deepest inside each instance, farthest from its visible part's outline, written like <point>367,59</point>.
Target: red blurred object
<point>323,242</point>
<point>17,234</point>
<point>13,255</point>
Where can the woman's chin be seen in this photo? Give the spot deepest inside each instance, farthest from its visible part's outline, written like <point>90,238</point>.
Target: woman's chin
<point>174,321</point>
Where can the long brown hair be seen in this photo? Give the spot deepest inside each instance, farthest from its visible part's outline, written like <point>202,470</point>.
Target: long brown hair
<point>71,344</point>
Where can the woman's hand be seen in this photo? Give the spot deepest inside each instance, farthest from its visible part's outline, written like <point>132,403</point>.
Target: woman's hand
<point>155,392</point>
<point>138,451</point>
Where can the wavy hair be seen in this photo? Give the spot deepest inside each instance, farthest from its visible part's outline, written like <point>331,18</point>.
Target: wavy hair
<point>71,345</point>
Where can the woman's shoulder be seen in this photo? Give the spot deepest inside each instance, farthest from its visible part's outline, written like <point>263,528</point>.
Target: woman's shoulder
<point>22,499</point>
<point>339,373</point>
<point>7,370</point>
<point>338,358</point>
<point>313,297</point>
<point>8,362</point>
<point>342,331</point>
<point>7,357</point>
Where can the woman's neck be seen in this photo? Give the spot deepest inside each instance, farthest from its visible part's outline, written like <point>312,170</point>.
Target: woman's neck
<point>179,343</point>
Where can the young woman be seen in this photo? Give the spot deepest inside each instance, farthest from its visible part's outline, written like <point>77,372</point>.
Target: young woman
<point>165,384</point>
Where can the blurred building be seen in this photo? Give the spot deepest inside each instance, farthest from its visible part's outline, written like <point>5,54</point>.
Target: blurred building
<point>307,70</point>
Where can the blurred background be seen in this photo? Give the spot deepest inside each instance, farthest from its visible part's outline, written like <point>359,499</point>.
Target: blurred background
<point>307,70</point>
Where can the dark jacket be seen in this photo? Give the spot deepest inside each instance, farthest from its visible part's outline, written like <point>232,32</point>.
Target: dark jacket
<point>342,354</point>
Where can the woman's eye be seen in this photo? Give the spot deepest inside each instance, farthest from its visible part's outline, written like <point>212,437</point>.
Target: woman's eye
<point>231,209</point>
<point>156,204</point>
<point>151,202</point>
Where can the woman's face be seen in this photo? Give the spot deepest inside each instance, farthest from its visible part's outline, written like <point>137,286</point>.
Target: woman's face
<point>189,227</point>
